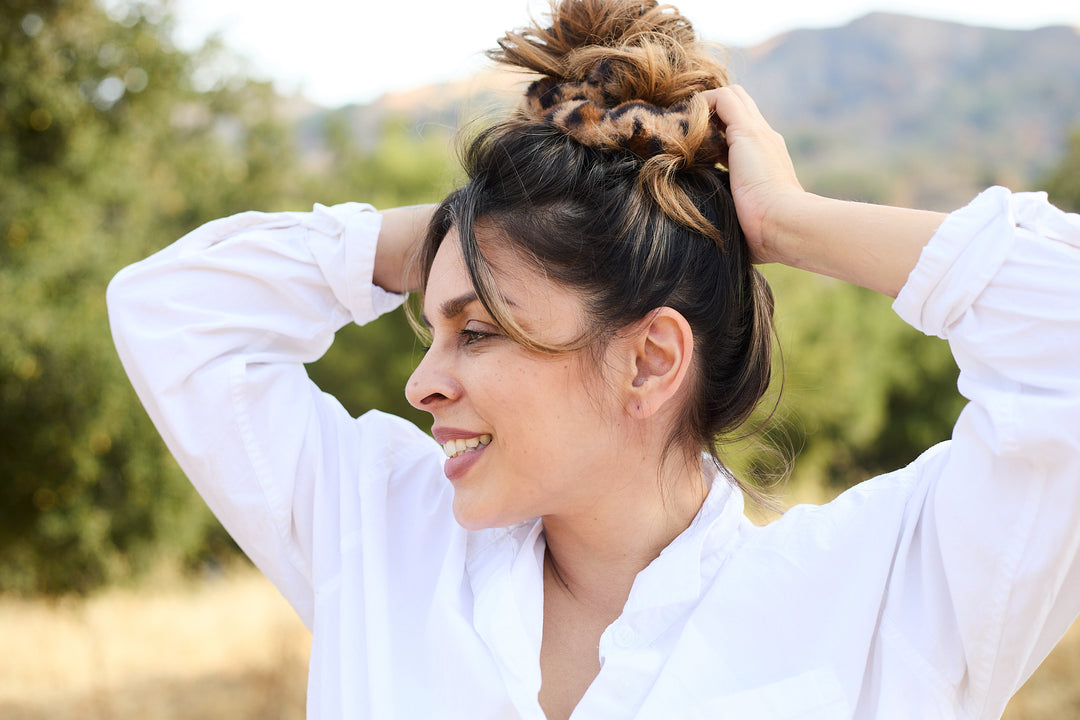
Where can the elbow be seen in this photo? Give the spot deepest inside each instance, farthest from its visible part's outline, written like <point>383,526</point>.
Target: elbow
<point>132,303</point>
<point>121,300</point>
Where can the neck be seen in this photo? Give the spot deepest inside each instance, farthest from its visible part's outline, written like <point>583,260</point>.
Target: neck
<point>594,556</point>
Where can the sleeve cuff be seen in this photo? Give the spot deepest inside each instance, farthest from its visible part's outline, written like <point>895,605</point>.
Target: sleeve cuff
<point>958,263</point>
<point>367,300</point>
<point>359,226</point>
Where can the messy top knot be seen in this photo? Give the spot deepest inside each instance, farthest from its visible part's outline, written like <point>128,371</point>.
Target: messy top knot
<point>652,51</point>
<point>628,221</point>
<point>625,75</point>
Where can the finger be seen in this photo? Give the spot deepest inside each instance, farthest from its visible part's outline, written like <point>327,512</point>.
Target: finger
<point>722,99</point>
<point>752,110</point>
<point>748,101</point>
<point>728,106</point>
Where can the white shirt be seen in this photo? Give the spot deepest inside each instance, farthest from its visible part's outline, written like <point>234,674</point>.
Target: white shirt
<point>931,592</point>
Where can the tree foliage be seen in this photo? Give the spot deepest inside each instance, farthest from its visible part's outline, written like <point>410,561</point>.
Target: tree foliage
<point>108,153</point>
<point>863,393</point>
<point>97,167</point>
<point>1063,182</point>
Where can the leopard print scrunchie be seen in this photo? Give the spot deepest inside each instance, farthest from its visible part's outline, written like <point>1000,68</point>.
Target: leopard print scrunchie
<point>583,111</point>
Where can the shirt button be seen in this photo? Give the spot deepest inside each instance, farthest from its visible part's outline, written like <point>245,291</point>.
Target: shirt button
<point>625,637</point>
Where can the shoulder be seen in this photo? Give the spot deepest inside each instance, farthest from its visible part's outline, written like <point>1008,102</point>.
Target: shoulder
<point>391,443</point>
<point>401,434</point>
<point>409,463</point>
<point>872,514</point>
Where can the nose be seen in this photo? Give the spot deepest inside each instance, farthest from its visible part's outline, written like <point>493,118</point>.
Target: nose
<point>432,384</point>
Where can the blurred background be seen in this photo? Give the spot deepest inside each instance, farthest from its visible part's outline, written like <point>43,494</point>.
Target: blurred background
<point>122,128</point>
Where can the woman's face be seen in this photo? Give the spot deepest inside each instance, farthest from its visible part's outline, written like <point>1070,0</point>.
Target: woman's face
<point>527,434</point>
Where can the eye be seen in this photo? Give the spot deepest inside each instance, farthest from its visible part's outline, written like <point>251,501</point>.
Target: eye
<point>470,336</point>
<point>475,331</point>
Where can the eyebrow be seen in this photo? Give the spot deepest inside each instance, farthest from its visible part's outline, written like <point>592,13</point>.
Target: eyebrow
<point>453,307</point>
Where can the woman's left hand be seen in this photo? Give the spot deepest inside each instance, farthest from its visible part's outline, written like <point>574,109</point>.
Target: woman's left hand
<point>763,180</point>
<point>870,245</point>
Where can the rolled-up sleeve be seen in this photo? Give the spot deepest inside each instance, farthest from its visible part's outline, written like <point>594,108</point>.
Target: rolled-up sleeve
<point>214,331</point>
<point>988,577</point>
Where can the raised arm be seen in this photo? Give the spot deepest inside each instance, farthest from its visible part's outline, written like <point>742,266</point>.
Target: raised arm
<point>870,245</point>
<point>214,332</point>
<point>985,577</point>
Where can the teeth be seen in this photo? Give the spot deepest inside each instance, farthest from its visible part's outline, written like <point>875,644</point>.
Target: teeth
<point>453,448</point>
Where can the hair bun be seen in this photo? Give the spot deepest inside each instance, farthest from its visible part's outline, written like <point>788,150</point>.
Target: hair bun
<point>621,74</point>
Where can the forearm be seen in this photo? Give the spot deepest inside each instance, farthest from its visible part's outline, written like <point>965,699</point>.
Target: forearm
<point>400,235</point>
<point>874,246</point>
<point>870,245</point>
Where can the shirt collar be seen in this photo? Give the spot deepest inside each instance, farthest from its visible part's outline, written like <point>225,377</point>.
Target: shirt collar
<point>512,558</point>
<point>505,568</point>
<point>677,575</point>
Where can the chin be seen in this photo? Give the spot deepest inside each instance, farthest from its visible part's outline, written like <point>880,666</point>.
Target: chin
<point>474,518</point>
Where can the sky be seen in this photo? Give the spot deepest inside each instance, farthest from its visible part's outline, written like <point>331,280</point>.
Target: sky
<point>337,52</point>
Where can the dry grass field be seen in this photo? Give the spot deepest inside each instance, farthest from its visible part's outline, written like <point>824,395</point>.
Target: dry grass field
<point>230,647</point>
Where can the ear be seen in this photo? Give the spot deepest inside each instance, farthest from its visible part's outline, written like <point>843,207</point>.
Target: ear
<point>663,352</point>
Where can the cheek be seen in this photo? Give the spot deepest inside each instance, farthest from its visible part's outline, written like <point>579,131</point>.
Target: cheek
<point>533,402</point>
<point>573,403</point>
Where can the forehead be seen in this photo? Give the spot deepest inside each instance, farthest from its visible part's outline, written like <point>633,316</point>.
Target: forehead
<point>448,277</point>
<point>536,301</point>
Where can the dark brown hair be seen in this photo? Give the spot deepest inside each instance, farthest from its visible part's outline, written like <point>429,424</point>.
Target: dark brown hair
<point>606,180</point>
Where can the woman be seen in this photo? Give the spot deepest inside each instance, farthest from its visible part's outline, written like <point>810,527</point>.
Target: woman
<point>595,322</point>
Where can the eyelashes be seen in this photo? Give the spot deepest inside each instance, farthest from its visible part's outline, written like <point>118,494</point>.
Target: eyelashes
<point>471,337</point>
<point>466,337</point>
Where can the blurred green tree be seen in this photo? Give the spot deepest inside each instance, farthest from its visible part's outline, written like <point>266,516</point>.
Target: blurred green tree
<point>110,148</point>
<point>1062,184</point>
<point>864,393</point>
<point>107,152</point>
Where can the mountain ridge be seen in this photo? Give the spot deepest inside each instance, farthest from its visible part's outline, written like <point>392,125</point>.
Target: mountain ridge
<point>886,108</point>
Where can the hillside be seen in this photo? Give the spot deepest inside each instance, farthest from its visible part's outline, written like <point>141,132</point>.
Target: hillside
<point>887,108</point>
<point>950,107</point>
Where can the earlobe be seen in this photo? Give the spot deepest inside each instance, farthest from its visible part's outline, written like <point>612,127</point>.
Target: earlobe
<point>663,353</point>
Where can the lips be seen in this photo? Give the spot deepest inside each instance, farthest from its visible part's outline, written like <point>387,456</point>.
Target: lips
<point>462,447</point>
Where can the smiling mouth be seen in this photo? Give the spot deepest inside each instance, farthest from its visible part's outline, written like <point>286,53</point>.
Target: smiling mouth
<point>453,448</point>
